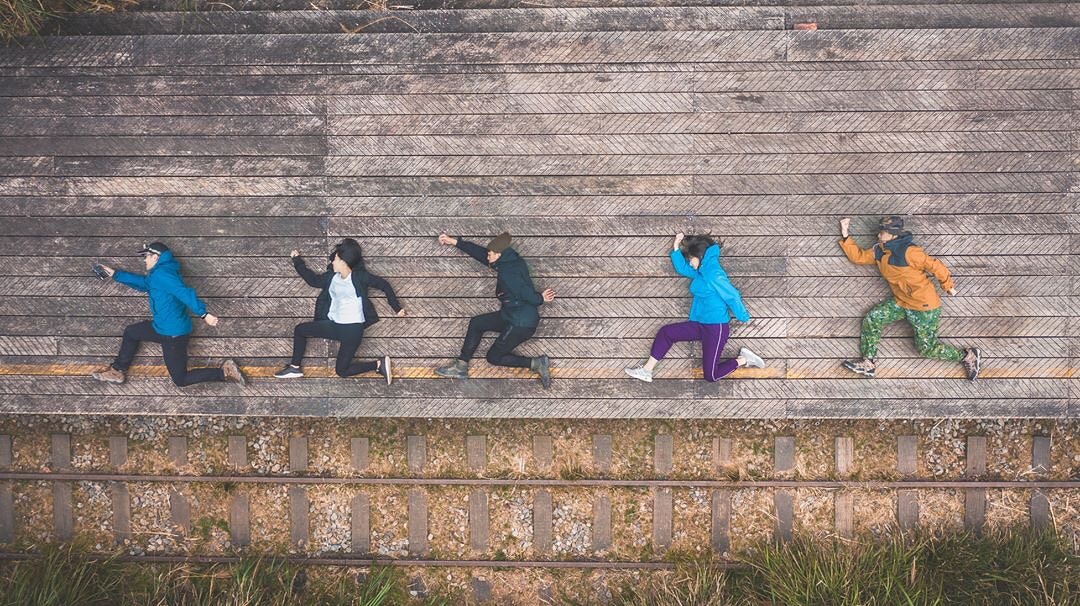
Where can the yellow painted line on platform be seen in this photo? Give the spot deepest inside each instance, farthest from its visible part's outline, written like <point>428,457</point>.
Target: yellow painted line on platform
<point>407,372</point>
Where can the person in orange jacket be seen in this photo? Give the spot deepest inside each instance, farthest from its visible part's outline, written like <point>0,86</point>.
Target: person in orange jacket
<point>904,267</point>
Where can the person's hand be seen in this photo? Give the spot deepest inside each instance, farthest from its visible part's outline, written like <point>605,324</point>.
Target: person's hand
<point>401,313</point>
<point>845,223</point>
<point>108,270</point>
<point>294,254</point>
<point>446,240</point>
<point>211,319</point>
<point>548,295</point>
<point>678,240</point>
<point>952,292</point>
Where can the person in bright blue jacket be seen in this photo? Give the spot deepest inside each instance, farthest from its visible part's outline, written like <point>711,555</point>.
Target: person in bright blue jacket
<point>715,300</point>
<point>171,304</point>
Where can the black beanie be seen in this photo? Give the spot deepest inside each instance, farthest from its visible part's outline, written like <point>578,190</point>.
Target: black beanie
<point>893,225</point>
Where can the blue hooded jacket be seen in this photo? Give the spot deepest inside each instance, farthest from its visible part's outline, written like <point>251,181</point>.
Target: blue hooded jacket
<point>714,296</point>
<point>170,299</point>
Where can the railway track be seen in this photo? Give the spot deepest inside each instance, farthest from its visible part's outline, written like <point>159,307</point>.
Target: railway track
<point>297,486</point>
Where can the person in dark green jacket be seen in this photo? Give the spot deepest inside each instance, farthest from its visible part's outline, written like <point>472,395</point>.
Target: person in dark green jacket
<point>517,318</point>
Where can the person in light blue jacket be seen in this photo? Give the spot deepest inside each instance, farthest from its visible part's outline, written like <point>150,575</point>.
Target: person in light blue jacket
<point>715,300</point>
<point>171,304</point>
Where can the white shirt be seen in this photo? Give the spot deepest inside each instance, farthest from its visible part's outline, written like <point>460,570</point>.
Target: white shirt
<point>345,306</point>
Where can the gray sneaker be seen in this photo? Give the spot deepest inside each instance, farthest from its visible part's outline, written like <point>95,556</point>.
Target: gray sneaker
<point>752,359</point>
<point>542,367</point>
<point>458,369</point>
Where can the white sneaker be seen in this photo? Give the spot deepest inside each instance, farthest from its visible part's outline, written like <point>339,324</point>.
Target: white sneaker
<point>386,370</point>
<point>639,373</point>
<point>752,359</point>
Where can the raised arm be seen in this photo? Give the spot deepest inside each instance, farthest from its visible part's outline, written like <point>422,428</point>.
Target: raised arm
<point>136,281</point>
<point>313,279</point>
<point>856,255</point>
<point>472,249</point>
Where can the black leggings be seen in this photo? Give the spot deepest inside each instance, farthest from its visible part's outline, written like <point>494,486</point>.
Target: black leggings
<point>502,350</point>
<point>174,349</point>
<point>349,335</point>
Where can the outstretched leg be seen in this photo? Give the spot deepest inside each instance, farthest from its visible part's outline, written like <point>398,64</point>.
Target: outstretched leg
<point>665,339</point>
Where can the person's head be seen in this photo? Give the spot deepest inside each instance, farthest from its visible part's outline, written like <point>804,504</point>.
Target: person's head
<point>890,228</point>
<point>496,247</point>
<point>347,256</point>
<point>693,248</point>
<point>151,253</point>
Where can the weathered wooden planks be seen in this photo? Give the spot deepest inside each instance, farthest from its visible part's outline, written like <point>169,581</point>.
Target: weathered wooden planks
<point>593,148</point>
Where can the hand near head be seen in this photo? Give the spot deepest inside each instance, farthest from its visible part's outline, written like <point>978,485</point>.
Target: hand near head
<point>446,240</point>
<point>548,295</point>
<point>401,313</point>
<point>952,292</point>
<point>108,270</point>
<point>678,240</point>
<point>211,319</point>
<point>294,254</point>
<point>845,224</point>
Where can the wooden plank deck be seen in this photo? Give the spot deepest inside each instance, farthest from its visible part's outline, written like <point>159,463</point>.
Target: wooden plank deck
<point>593,147</point>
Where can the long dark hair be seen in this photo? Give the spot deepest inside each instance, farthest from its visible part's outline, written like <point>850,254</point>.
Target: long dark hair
<point>350,252</point>
<point>696,245</point>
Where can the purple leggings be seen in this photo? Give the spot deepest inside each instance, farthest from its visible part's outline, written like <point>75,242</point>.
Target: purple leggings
<point>712,337</point>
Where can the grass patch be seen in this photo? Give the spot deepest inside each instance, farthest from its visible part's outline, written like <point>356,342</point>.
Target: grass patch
<point>19,18</point>
<point>1016,568</point>
<point>64,576</point>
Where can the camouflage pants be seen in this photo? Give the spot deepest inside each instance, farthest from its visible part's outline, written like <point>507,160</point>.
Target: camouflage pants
<point>925,324</point>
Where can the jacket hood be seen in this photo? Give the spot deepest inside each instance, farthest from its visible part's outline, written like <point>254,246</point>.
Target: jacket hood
<point>166,261</point>
<point>508,256</point>
<point>712,255</point>
<point>898,247</point>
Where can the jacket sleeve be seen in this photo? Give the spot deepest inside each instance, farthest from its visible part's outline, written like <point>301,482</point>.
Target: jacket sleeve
<point>678,261</point>
<point>136,281</point>
<point>858,256</point>
<point>730,295</point>
<point>382,284</point>
<point>313,279</point>
<point>917,258</point>
<point>472,249</point>
<point>175,286</point>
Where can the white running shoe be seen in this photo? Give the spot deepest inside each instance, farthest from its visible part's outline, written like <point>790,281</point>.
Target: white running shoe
<point>752,359</point>
<point>639,373</point>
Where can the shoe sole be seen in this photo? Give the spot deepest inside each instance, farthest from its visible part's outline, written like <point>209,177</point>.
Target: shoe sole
<point>289,376</point>
<point>389,370</point>
<point>868,375</point>
<point>978,365</point>
<point>643,380</point>
<point>546,380</point>
<point>104,380</point>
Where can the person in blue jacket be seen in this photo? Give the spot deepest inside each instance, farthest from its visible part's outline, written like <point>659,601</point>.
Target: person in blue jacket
<point>517,318</point>
<point>714,301</point>
<point>171,303</point>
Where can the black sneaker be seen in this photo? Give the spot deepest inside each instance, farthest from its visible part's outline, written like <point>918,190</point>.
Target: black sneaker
<point>386,370</point>
<point>289,372</point>
<point>862,367</point>
<point>973,366</point>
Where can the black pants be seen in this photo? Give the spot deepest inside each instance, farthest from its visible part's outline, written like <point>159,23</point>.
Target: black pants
<point>173,348</point>
<point>349,335</point>
<point>502,350</point>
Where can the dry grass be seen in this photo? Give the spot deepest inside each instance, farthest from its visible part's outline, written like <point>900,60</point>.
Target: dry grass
<point>22,18</point>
